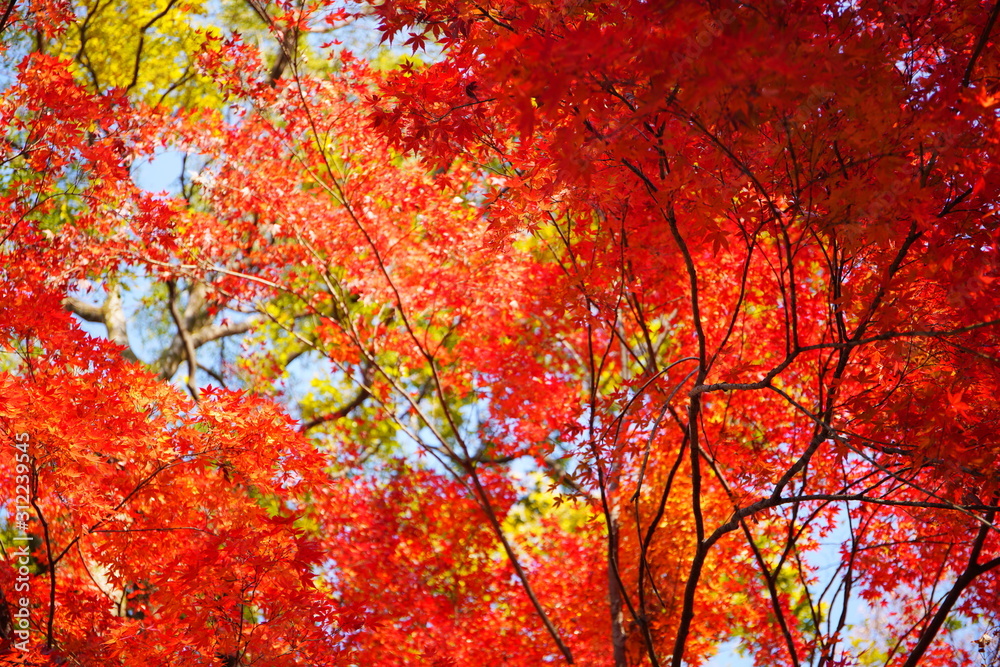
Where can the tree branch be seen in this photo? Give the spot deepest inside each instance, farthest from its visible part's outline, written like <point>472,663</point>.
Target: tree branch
<point>111,314</point>
<point>980,44</point>
<point>170,359</point>
<point>339,413</point>
<point>189,348</point>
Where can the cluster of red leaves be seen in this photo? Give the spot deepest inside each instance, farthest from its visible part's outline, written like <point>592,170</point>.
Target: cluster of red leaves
<point>805,192</point>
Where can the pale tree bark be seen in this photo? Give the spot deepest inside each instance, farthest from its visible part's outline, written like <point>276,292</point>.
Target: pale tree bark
<point>196,321</point>
<point>111,314</point>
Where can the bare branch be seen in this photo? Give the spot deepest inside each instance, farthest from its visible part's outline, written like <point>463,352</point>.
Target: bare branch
<point>189,349</point>
<point>170,359</point>
<point>111,314</point>
<point>87,311</point>
<point>339,413</point>
<point>980,44</point>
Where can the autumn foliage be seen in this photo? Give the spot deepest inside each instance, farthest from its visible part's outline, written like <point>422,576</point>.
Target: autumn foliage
<point>505,333</point>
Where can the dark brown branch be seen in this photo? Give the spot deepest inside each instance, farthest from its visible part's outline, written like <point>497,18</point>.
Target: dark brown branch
<point>50,622</point>
<point>142,41</point>
<point>339,413</point>
<point>287,46</point>
<point>980,44</point>
<point>493,19</point>
<point>770,502</point>
<point>213,374</point>
<point>6,14</point>
<point>694,410</point>
<point>973,569</point>
<point>491,515</point>
<point>772,590</point>
<point>336,189</point>
<point>125,500</point>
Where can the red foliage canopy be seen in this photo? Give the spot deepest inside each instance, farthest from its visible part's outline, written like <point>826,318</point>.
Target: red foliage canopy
<point>620,314</point>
